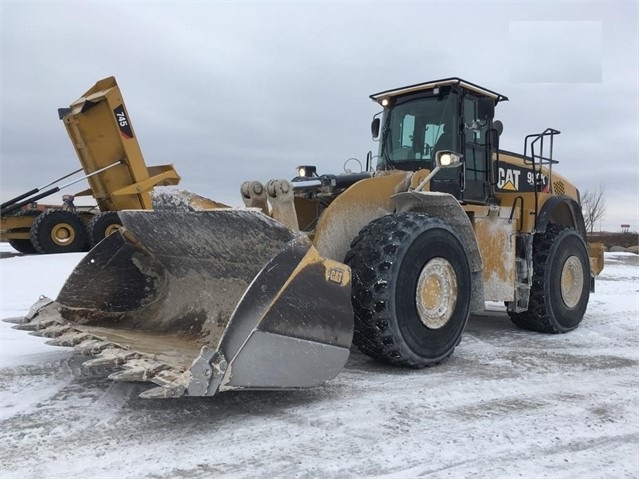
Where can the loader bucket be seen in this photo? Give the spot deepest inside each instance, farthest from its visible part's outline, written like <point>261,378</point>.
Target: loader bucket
<point>201,302</point>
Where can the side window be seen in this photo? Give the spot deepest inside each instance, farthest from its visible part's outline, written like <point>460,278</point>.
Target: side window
<point>408,129</point>
<point>471,135</point>
<point>474,142</point>
<point>433,132</point>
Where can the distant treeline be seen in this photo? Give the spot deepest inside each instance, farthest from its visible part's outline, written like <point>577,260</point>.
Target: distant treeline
<point>625,240</point>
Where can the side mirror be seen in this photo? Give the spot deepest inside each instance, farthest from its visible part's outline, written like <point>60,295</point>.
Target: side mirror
<point>485,108</point>
<point>375,128</point>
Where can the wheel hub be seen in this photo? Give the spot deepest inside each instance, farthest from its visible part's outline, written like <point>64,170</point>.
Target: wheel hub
<point>572,281</point>
<point>436,294</point>
<point>111,229</point>
<point>62,234</point>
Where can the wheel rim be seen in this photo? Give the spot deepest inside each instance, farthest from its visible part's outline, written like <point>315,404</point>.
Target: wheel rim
<point>111,229</point>
<point>436,294</point>
<point>63,234</point>
<point>572,281</point>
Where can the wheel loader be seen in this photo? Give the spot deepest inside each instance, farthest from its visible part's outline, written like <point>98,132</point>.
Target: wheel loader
<point>393,259</point>
<point>102,135</point>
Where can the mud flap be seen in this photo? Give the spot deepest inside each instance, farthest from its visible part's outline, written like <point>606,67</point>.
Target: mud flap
<point>197,302</point>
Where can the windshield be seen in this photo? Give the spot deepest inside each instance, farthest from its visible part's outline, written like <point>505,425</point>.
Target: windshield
<point>414,130</point>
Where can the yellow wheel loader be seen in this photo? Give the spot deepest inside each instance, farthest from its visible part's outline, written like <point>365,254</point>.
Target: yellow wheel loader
<point>393,259</point>
<point>101,133</point>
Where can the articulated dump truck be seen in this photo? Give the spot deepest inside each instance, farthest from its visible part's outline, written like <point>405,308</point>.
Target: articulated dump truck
<point>394,259</point>
<point>102,135</point>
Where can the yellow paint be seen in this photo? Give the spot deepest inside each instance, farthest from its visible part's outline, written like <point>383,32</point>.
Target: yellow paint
<point>313,257</point>
<point>431,293</point>
<point>62,234</point>
<point>526,222</point>
<point>347,214</point>
<point>96,137</point>
<point>496,241</point>
<point>509,186</point>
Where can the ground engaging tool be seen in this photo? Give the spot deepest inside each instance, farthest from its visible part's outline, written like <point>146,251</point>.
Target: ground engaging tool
<point>394,258</point>
<point>102,136</point>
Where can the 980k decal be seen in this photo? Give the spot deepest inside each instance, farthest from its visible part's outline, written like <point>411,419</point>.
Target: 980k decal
<point>515,178</point>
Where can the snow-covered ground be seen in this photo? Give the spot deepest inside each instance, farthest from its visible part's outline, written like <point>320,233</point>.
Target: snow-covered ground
<point>508,403</point>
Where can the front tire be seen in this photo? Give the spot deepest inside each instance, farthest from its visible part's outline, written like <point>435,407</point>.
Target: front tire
<point>561,282</point>
<point>58,231</point>
<point>411,289</point>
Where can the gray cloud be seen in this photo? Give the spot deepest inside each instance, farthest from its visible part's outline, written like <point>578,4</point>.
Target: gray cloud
<point>555,51</point>
<point>235,91</point>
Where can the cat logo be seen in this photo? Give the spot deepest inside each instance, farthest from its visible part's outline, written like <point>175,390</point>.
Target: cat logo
<point>508,179</point>
<point>335,275</point>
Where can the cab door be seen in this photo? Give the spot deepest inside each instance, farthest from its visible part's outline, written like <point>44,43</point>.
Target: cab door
<point>476,188</point>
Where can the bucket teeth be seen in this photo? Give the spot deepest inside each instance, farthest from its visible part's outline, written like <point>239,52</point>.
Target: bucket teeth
<point>111,357</point>
<point>138,370</point>
<point>15,320</point>
<point>26,326</point>
<point>93,346</point>
<point>52,331</point>
<point>71,338</point>
<point>167,377</point>
<point>163,392</point>
<point>43,323</point>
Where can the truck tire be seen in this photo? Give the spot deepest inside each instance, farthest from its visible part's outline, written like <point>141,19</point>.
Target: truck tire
<point>561,282</point>
<point>411,289</point>
<point>58,231</point>
<point>23,246</point>
<point>101,226</point>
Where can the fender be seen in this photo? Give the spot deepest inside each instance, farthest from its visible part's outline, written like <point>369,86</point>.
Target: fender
<point>446,206</point>
<point>561,210</point>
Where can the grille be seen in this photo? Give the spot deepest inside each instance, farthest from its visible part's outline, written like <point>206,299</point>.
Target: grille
<point>559,188</point>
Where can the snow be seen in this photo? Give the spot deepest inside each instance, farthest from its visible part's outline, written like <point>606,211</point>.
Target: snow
<point>508,403</point>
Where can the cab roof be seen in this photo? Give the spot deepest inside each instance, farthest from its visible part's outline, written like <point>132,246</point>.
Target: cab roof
<point>378,97</point>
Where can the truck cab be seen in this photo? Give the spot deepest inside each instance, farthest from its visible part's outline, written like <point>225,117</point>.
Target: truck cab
<point>451,114</point>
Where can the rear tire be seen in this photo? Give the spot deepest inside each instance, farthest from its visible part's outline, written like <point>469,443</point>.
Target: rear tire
<point>561,282</point>
<point>101,226</point>
<point>58,231</point>
<point>411,289</point>
<point>23,246</point>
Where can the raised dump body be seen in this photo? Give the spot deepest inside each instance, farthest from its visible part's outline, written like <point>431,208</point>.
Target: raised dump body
<point>102,135</point>
<point>101,131</point>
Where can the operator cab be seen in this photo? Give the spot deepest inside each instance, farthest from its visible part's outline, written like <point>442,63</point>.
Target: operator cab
<point>452,115</point>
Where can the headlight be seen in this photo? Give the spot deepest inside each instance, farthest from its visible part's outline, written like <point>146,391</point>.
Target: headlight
<point>447,159</point>
<point>306,171</point>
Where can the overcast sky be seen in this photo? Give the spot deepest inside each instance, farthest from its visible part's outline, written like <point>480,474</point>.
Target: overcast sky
<point>234,91</point>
